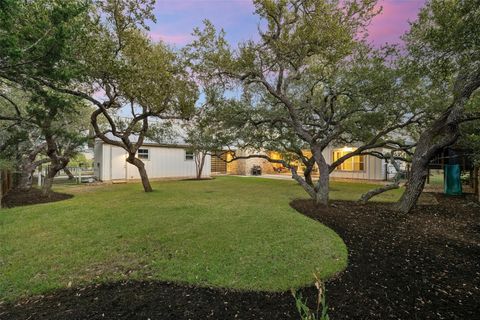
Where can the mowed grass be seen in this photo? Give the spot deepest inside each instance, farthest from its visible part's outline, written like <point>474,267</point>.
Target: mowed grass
<point>228,232</point>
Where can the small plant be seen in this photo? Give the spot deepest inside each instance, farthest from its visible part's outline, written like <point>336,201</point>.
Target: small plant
<point>305,312</point>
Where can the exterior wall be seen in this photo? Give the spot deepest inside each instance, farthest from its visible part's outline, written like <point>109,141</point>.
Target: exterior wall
<point>236,167</point>
<point>106,168</point>
<point>98,160</point>
<point>374,168</point>
<point>163,162</point>
<point>244,166</point>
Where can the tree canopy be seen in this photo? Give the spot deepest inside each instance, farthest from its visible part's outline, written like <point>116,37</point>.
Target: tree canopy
<point>310,81</point>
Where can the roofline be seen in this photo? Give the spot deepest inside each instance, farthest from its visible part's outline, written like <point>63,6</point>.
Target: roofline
<point>161,145</point>
<point>152,144</point>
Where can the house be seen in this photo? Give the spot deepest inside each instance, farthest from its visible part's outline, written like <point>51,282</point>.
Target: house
<point>162,160</point>
<point>175,160</point>
<point>364,167</point>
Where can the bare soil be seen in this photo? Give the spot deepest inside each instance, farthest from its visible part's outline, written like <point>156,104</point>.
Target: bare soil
<point>424,265</point>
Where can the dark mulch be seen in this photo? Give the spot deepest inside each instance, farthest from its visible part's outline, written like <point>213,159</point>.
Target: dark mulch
<point>425,265</point>
<point>153,300</point>
<point>16,198</point>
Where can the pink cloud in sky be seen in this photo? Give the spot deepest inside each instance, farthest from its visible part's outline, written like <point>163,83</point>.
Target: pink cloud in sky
<point>393,21</point>
<point>175,39</point>
<point>177,18</point>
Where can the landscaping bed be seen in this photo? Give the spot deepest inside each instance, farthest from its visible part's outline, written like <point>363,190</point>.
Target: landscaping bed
<point>15,199</point>
<point>153,300</point>
<point>424,265</point>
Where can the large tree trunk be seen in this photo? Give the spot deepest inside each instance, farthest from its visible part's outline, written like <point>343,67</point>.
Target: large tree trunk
<point>414,187</point>
<point>442,133</point>
<point>322,188</point>
<point>318,192</point>
<point>26,176</point>
<point>48,182</point>
<point>57,160</point>
<point>307,173</point>
<point>27,168</point>
<point>141,170</point>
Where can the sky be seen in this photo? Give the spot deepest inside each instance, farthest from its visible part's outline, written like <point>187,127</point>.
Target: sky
<point>177,18</point>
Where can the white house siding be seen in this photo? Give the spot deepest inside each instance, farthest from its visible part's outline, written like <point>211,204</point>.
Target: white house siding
<point>98,160</point>
<point>163,162</point>
<point>105,168</point>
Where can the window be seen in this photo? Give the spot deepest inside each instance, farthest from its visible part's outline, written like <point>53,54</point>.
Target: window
<point>143,154</point>
<point>356,163</point>
<point>188,155</point>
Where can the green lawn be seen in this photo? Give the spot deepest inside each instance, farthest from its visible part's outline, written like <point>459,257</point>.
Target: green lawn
<point>436,177</point>
<point>231,232</point>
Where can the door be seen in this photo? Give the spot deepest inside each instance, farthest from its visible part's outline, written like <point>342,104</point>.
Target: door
<point>118,164</point>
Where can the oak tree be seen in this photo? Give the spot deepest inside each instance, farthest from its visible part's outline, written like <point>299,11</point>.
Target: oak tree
<point>311,80</point>
<point>442,49</point>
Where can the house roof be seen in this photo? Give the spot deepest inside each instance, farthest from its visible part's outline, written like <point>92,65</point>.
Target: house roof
<point>171,135</point>
<point>149,142</point>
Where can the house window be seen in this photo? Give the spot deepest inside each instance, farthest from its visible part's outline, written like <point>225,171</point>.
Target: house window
<point>188,155</point>
<point>143,154</point>
<point>356,163</point>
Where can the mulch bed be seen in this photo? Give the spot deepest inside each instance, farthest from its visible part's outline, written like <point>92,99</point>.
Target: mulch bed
<point>15,198</point>
<point>425,265</point>
<point>152,300</point>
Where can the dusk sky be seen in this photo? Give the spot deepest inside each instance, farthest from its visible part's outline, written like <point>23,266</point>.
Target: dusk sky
<point>177,18</point>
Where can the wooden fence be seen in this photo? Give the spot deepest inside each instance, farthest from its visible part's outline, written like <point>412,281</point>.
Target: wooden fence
<point>6,183</point>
